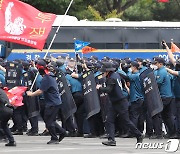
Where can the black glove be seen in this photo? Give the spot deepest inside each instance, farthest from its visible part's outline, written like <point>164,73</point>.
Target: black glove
<point>10,106</point>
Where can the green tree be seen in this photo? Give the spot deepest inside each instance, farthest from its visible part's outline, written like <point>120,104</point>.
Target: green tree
<point>110,8</point>
<point>132,10</point>
<point>152,10</point>
<point>92,10</point>
<point>167,11</point>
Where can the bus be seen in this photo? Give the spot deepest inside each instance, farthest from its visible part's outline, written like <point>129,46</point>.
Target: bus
<point>113,38</point>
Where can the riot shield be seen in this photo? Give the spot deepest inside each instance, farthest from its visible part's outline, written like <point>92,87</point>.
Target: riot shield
<point>13,74</point>
<point>103,97</point>
<point>91,98</point>
<point>151,91</point>
<point>68,103</point>
<point>32,106</point>
<point>31,103</point>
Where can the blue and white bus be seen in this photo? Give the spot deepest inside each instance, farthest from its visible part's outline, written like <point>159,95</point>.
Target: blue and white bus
<point>114,39</point>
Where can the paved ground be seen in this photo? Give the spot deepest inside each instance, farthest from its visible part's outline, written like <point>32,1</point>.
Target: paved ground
<point>77,145</point>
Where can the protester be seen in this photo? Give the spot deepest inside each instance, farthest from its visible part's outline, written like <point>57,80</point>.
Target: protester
<point>52,101</point>
<point>5,114</point>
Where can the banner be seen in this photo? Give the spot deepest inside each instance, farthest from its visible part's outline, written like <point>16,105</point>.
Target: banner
<point>24,24</point>
<point>15,95</point>
<point>174,48</point>
<point>78,45</point>
<point>88,49</point>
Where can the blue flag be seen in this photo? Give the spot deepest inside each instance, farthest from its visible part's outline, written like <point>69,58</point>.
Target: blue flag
<point>78,45</point>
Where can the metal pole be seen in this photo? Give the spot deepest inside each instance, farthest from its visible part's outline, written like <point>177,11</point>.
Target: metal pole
<point>53,40</point>
<point>58,28</point>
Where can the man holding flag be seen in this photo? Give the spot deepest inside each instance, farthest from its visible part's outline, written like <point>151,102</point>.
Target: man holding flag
<point>52,100</point>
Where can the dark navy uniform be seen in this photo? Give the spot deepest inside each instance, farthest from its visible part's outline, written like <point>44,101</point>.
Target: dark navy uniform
<point>52,105</point>
<point>118,105</point>
<point>52,100</point>
<point>5,115</point>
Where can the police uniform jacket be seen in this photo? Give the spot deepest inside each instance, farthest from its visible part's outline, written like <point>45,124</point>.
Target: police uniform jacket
<point>135,87</point>
<point>164,83</point>
<point>113,87</point>
<point>176,85</point>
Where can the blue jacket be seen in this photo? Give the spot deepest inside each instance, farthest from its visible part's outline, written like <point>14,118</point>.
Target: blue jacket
<point>135,87</point>
<point>2,78</point>
<point>176,85</point>
<point>143,68</point>
<point>164,82</point>
<point>76,85</point>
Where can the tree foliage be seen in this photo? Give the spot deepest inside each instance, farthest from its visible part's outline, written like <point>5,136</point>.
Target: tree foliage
<point>132,10</point>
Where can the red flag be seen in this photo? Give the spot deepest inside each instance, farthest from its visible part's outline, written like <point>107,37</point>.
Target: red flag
<point>163,1</point>
<point>174,47</point>
<point>15,95</point>
<point>24,24</point>
<point>88,49</point>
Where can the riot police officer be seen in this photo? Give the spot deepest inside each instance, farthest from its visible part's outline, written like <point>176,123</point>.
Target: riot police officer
<point>176,88</point>
<point>136,94</point>
<point>164,85</point>
<point>119,104</point>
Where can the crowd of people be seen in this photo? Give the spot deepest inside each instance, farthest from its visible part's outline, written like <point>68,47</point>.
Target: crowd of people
<point>121,97</point>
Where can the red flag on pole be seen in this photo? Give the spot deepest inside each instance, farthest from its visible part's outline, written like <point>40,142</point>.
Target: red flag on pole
<point>88,49</point>
<point>15,95</point>
<point>174,48</point>
<point>24,24</point>
<point>163,1</point>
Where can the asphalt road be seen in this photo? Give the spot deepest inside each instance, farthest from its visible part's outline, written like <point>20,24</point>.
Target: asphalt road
<point>79,145</point>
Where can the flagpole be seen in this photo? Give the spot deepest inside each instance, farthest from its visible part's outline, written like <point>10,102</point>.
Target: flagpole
<point>75,56</point>
<point>53,40</point>
<point>82,54</point>
<point>58,28</point>
<point>75,48</point>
